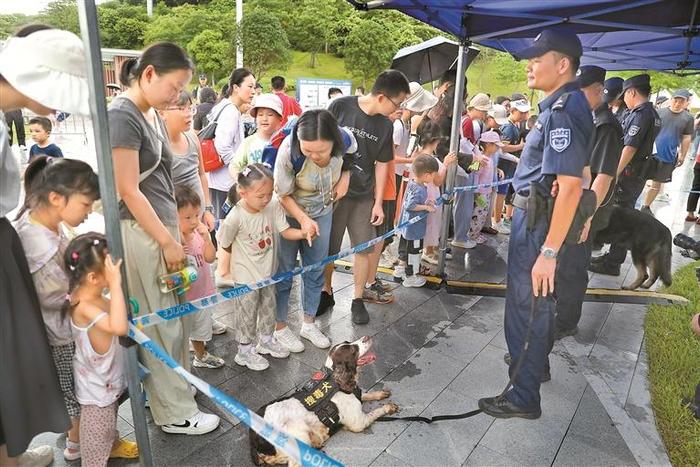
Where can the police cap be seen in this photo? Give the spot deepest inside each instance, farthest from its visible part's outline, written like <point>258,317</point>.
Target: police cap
<point>636,81</point>
<point>613,89</point>
<point>557,40</point>
<point>589,74</point>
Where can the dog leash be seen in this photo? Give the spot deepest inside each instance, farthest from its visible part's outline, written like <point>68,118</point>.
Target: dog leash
<point>511,380</point>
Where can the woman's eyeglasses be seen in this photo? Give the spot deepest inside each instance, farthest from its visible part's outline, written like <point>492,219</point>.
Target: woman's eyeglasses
<point>186,109</point>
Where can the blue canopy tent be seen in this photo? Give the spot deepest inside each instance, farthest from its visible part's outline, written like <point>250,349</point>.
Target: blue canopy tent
<point>615,34</point>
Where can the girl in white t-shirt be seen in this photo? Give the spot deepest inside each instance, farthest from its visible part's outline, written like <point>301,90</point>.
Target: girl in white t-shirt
<point>96,322</point>
<point>249,233</point>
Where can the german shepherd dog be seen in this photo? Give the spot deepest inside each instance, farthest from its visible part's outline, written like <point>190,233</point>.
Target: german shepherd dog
<point>647,238</point>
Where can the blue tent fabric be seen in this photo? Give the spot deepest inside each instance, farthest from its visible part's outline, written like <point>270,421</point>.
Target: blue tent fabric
<point>616,34</point>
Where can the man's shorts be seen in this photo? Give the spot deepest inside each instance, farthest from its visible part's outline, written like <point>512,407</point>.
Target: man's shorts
<point>663,171</point>
<point>353,215</point>
<point>508,168</point>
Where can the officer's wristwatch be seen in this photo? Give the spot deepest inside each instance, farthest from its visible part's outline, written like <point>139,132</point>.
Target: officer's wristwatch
<point>549,253</point>
<point>209,208</point>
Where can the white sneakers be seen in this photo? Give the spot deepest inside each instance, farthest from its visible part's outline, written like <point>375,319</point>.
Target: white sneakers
<point>218,328</point>
<point>503,228</point>
<point>208,361</point>
<point>249,357</point>
<point>468,245</point>
<point>198,424</point>
<point>271,347</point>
<point>286,337</point>
<point>414,281</point>
<point>400,272</point>
<point>40,456</point>
<point>311,332</point>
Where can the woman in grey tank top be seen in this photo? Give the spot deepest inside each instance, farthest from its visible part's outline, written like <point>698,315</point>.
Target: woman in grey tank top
<point>188,168</point>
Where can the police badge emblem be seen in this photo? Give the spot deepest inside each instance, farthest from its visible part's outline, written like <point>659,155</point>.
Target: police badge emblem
<point>560,139</point>
<point>634,129</point>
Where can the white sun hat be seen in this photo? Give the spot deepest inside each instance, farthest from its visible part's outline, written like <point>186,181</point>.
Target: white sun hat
<point>48,66</point>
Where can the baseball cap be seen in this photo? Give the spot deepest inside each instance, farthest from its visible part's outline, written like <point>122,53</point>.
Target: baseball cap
<point>56,75</point>
<point>521,105</point>
<point>684,93</point>
<point>480,102</point>
<point>266,101</point>
<point>558,40</point>
<point>516,96</point>
<point>499,113</point>
<point>589,74</point>
<point>613,89</point>
<point>202,75</point>
<point>419,100</point>
<point>491,137</point>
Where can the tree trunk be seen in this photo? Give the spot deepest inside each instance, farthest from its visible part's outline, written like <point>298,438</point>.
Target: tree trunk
<point>313,60</point>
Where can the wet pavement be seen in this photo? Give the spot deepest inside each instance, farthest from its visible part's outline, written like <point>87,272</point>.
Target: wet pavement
<point>439,353</point>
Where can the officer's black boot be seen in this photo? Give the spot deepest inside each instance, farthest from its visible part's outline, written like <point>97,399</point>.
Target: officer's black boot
<point>605,267</point>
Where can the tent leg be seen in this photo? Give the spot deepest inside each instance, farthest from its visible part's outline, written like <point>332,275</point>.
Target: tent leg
<point>98,109</point>
<point>454,147</point>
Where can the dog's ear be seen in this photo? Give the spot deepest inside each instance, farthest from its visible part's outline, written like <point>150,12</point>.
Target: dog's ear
<point>345,367</point>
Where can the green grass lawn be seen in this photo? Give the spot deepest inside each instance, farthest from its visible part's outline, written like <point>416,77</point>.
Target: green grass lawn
<point>327,67</point>
<point>674,368</point>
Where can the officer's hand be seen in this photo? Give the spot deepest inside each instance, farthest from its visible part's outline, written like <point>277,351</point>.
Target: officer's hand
<point>543,276</point>
<point>555,189</point>
<point>585,231</point>
<point>679,162</point>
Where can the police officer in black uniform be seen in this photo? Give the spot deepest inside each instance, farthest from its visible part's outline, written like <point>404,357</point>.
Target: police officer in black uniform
<point>613,96</point>
<point>557,148</point>
<point>641,126</point>
<point>572,275</point>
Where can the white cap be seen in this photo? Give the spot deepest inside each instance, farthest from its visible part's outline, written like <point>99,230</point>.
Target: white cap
<point>267,101</point>
<point>499,113</point>
<point>521,105</point>
<point>419,100</point>
<point>49,67</point>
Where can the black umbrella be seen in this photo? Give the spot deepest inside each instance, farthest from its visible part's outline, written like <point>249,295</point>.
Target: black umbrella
<point>427,61</point>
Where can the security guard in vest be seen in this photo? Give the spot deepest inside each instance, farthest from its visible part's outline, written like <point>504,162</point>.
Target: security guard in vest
<point>641,126</point>
<point>557,148</point>
<point>572,274</point>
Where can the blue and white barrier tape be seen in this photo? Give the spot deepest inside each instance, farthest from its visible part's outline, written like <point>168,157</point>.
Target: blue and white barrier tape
<point>294,448</point>
<point>184,309</point>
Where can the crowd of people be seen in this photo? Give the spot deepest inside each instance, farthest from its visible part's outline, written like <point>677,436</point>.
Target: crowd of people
<point>242,184</point>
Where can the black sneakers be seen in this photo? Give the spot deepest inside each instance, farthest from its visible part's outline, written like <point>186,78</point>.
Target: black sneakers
<point>359,312</point>
<point>327,302</point>
<point>501,407</point>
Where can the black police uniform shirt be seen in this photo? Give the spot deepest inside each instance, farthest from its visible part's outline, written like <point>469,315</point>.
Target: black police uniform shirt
<point>561,141</point>
<point>607,147</point>
<point>374,135</point>
<point>641,127</point>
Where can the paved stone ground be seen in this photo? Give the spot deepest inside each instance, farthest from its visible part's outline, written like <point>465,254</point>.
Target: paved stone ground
<point>438,353</point>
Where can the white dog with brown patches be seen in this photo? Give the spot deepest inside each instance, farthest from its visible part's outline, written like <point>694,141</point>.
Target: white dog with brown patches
<point>330,401</point>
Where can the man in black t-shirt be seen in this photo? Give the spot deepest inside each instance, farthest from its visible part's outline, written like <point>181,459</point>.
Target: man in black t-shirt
<point>360,210</point>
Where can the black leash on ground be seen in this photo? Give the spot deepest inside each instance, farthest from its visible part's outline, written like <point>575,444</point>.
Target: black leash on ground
<point>511,380</point>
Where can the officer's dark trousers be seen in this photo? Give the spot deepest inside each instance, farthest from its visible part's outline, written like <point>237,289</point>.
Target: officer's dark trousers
<point>627,191</point>
<point>523,250</point>
<point>570,283</point>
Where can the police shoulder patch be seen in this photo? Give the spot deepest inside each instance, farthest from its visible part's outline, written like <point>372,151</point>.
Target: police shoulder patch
<point>561,102</point>
<point>560,139</point>
<point>634,129</point>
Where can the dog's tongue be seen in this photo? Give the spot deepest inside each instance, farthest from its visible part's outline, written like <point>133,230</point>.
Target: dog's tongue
<point>368,357</point>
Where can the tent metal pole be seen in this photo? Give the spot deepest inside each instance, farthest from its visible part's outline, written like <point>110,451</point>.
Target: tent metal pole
<point>454,147</point>
<point>89,29</point>
<point>686,55</point>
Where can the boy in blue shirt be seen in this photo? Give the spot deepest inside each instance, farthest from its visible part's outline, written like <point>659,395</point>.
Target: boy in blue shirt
<point>40,130</point>
<point>424,168</point>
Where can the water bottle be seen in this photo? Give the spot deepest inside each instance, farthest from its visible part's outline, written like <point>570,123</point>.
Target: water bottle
<point>178,281</point>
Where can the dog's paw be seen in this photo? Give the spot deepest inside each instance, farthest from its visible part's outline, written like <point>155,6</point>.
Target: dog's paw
<point>391,408</point>
<point>384,394</point>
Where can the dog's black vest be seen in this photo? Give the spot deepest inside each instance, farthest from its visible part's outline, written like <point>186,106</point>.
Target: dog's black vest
<point>315,395</point>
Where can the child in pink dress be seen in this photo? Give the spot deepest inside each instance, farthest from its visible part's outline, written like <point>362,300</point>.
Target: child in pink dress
<point>199,247</point>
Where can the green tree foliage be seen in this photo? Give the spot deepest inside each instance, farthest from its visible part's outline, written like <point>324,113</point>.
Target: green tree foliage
<point>212,53</point>
<point>122,25</point>
<point>264,42</point>
<point>62,14</point>
<point>311,27</point>
<point>10,23</point>
<point>368,50</point>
